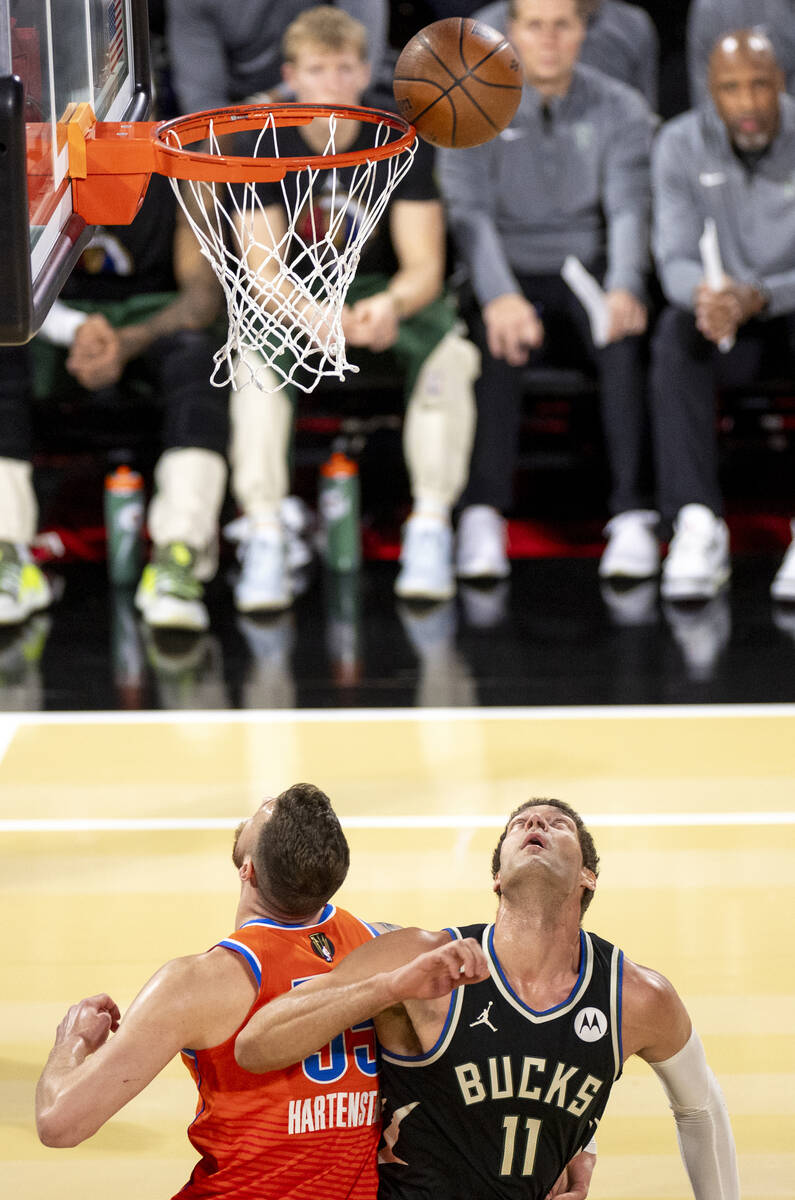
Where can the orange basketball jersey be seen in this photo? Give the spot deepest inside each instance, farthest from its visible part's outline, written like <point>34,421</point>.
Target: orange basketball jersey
<point>309,1132</point>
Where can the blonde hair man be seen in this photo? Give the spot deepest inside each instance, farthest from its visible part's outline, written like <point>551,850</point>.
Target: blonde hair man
<point>395,307</point>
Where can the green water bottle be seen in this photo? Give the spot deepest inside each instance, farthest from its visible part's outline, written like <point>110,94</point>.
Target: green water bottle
<point>339,512</point>
<point>124,519</point>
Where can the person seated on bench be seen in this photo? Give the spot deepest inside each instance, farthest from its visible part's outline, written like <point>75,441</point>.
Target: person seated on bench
<point>731,160</point>
<point>138,312</point>
<point>569,176</point>
<point>396,309</point>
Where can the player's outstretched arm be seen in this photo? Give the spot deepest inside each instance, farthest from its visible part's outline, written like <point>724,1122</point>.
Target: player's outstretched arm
<point>411,964</point>
<point>89,1075</point>
<point>658,1029</point>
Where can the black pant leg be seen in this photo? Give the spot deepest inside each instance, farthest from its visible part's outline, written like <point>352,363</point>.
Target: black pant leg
<point>625,423</point>
<point>16,421</point>
<point>685,374</point>
<point>498,397</point>
<point>623,411</point>
<point>196,412</point>
<point>683,383</point>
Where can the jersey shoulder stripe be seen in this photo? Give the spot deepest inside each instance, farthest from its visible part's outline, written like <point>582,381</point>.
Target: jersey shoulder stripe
<point>616,985</point>
<point>248,954</point>
<point>445,1037</point>
<point>375,932</point>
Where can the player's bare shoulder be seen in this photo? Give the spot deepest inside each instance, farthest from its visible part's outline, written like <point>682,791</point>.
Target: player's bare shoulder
<point>213,993</point>
<point>655,1023</point>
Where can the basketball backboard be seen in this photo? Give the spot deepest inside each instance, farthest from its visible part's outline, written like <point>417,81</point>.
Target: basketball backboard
<point>54,53</point>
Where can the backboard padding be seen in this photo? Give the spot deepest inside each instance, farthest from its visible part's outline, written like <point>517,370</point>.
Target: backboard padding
<point>52,53</point>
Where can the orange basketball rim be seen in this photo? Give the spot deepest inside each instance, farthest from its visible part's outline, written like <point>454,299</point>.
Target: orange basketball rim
<point>111,162</point>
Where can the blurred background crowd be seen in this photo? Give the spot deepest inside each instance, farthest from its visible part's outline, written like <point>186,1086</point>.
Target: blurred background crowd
<point>540,331</point>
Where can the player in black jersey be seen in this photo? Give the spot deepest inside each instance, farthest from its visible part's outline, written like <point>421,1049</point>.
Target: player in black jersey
<point>492,1088</point>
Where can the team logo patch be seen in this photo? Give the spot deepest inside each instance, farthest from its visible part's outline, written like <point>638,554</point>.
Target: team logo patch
<point>324,947</point>
<point>590,1024</point>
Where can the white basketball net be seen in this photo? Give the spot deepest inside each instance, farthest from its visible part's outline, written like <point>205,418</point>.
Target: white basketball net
<point>284,292</point>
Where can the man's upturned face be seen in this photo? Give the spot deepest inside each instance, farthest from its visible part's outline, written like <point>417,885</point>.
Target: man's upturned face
<point>547,36</point>
<point>542,838</point>
<point>745,89</point>
<point>322,76</point>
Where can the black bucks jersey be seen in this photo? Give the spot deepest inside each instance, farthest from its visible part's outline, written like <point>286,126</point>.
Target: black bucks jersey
<point>507,1096</point>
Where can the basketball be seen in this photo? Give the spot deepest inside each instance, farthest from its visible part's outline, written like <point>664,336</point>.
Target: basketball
<point>459,82</point>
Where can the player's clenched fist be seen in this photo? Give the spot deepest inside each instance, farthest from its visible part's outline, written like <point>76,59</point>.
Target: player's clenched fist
<point>90,1020</point>
<point>437,972</point>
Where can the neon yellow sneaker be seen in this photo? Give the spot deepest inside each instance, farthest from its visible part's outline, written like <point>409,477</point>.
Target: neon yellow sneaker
<point>169,596</point>
<point>24,588</point>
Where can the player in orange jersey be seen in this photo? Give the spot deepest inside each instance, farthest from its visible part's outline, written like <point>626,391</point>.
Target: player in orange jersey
<point>308,1132</point>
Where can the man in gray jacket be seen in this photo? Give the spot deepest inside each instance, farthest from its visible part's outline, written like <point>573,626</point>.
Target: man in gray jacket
<point>708,19</point>
<point>620,39</point>
<point>569,176</point>
<point>731,161</point>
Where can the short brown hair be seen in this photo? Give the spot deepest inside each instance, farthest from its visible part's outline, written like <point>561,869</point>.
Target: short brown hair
<point>590,859</point>
<point>585,8</point>
<point>302,855</point>
<point>331,28</point>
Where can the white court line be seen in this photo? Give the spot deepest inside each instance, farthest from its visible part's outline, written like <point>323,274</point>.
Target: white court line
<point>442,821</point>
<point>306,716</point>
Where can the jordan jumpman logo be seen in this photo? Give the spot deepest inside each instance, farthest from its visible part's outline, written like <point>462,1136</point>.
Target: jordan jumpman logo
<point>483,1019</point>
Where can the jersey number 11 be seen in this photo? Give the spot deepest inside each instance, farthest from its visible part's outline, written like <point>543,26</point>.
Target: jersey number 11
<point>510,1126</point>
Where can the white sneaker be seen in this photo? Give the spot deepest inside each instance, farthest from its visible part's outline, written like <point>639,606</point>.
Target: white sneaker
<point>481,550</point>
<point>632,550</point>
<point>697,565</point>
<point>298,527</point>
<point>264,584</point>
<point>298,524</point>
<point>783,586</point>
<point>426,557</point>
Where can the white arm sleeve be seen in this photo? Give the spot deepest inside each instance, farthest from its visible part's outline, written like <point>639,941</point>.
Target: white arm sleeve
<point>702,1122</point>
<point>61,324</point>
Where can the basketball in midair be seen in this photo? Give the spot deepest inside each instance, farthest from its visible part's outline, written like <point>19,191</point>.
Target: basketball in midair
<point>458,81</point>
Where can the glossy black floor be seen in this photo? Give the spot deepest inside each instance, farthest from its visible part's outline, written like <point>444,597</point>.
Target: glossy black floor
<point>551,636</point>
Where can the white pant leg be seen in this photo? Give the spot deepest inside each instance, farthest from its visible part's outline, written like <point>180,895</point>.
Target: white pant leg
<point>440,422</point>
<point>190,485</point>
<point>19,511</point>
<point>261,422</point>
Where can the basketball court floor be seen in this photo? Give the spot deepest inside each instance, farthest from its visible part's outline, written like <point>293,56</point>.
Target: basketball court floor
<point>115,839</point>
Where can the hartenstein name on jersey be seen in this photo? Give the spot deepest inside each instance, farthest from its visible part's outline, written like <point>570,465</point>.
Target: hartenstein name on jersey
<point>528,1079</point>
<point>335,1110</point>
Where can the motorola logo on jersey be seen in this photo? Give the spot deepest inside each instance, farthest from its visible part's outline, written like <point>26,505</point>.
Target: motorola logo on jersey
<point>590,1024</point>
<point>322,946</point>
